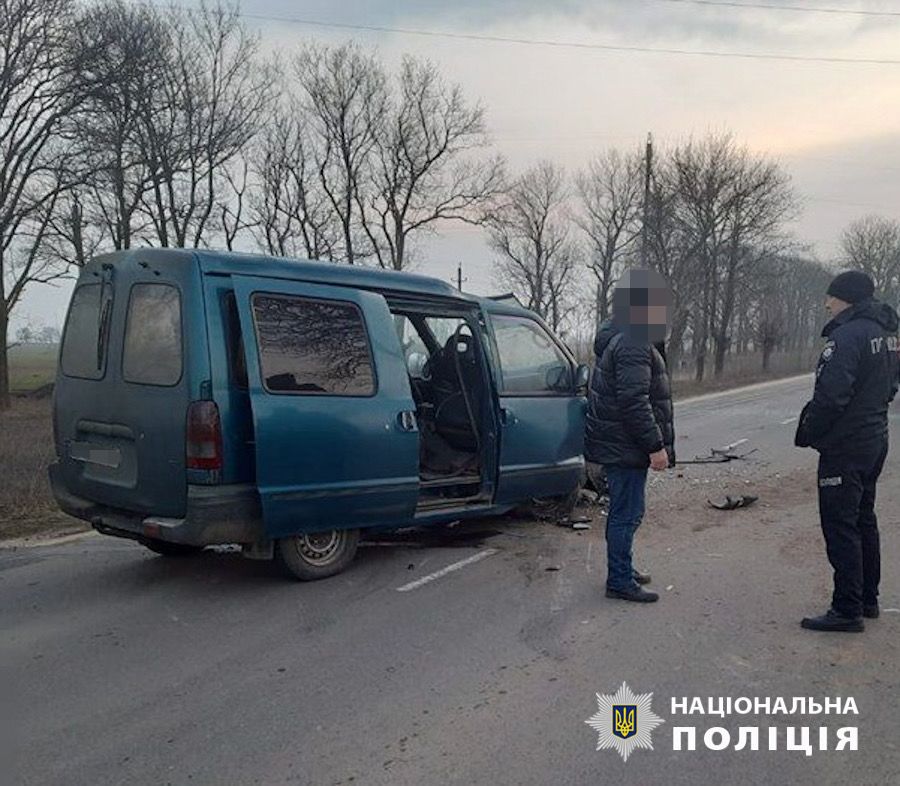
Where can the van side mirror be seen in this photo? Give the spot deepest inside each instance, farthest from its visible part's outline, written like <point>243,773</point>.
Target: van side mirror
<point>582,378</point>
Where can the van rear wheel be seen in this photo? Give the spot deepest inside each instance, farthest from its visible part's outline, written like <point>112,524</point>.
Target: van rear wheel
<point>168,549</point>
<point>317,555</point>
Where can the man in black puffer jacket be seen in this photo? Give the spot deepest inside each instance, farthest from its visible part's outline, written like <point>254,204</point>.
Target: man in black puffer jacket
<point>847,422</point>
<point>629,418</point>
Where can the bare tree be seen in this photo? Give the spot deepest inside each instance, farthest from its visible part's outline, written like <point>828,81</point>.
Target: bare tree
<point>872,244</point>
<point>292,214</point>
<point>672,249</point>
<point>760,202</point>
<point>344,97</point>
<point>610,192</point>
<point>531,233</point>
<point>733,205</point>
<point>215,92</point>
<point>422,170</point>
<point>235,216</point>
<point>109,128</point>
<point>39,86</point>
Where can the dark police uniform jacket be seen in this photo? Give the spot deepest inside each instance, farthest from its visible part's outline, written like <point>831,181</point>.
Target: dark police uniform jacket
<point>630,405</point>
<point>856,379</point>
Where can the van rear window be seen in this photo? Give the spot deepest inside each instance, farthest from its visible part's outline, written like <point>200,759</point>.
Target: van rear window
<point>153,347</point>
<point>312,346</point>
<point>80,355</point>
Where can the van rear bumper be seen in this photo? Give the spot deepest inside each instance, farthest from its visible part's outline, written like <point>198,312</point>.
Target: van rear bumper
<point>214,515</point>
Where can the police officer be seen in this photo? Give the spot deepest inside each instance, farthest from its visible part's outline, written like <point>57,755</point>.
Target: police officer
<point>847,422</point>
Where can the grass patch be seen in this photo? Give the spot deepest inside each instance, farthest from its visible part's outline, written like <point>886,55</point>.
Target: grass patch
<point>26,448</point>
<point>31,366</point>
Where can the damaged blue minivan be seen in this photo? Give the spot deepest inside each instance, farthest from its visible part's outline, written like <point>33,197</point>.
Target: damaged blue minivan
<point>209,398</point>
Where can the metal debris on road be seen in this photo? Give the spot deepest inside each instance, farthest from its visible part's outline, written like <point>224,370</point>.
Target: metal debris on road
<point>718,456</point>
<point>733,503</point>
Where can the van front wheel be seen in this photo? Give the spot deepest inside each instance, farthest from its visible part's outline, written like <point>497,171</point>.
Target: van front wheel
<point>317,555</point>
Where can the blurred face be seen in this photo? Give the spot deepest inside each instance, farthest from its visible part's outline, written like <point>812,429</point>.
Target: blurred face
<point>642,304</point>
<point>834,305</point>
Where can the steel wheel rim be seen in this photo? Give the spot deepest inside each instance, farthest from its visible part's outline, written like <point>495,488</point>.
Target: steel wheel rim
<point>319,548</point>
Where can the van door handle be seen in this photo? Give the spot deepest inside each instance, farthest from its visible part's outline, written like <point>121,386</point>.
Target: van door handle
<point>406,420</point>
<point>507,416</point>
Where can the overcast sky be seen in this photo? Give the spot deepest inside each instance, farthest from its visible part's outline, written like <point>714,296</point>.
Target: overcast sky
<point>835,127</point>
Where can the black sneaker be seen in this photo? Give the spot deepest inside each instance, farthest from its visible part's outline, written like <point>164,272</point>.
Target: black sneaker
<point>635,594</point>
<point>832,621</point>
<point>870,611</point>
<point>641,578</point>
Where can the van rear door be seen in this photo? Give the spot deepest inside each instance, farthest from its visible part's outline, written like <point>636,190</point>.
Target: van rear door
<point>122,391</point>
<point>336,438</point>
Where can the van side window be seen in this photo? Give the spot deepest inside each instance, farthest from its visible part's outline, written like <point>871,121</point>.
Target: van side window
<point>237,360</point>
<point>153,347</point>
<point>80,354</point>
<point>530,360</point>
<point>312,346</point>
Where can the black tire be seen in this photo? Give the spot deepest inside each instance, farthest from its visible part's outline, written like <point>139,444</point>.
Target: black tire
<point>317,555</point>
<point>167,549</point>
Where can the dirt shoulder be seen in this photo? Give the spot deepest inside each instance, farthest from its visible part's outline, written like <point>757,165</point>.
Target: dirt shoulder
<point>27,508</point>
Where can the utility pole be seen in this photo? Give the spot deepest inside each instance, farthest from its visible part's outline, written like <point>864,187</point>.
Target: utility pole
<point>459,277</point>
<point>648,168</point>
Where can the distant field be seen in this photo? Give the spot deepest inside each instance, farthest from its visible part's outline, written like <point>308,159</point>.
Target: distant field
<point>32,365</point>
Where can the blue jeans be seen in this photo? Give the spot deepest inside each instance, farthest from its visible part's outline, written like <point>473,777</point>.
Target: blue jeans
<point>626,510</point>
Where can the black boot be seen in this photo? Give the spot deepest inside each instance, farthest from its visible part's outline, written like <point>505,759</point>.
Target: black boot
<point>871,611</point>
<point>636,594</point>
<point>833,621</point>
<point>641,578</point>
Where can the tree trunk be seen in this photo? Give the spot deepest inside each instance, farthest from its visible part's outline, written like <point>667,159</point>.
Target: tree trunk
<point>4,354</point>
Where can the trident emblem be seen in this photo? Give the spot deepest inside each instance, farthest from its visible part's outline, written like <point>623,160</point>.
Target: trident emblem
<point>624,720</point>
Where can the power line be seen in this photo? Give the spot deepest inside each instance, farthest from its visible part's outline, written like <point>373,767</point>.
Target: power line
<point>575,44</point>
<point>791,8</point>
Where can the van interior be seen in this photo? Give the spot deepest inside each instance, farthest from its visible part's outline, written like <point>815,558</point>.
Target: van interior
<point>445,363</point>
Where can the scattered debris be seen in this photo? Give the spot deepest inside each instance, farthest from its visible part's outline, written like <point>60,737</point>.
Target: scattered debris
<point>733,503</point>
<point>552,568</point>
<point>718,456</point>
<point>728,448</point>
<point>670,588</point>
<point>580,525</point>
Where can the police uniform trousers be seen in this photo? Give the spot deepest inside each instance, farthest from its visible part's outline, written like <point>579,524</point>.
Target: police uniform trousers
<point>847,484</point>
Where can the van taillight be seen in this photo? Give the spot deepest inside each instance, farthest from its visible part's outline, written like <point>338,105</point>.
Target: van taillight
<point>204,436</point>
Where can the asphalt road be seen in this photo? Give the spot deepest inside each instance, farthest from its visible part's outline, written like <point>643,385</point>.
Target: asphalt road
<point>119,666</point>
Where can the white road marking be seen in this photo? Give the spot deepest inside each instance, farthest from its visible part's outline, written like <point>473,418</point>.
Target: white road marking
<point>789,420</point>
<point>733,445</point>
<point>444,571</point>
<point>590,563</point>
